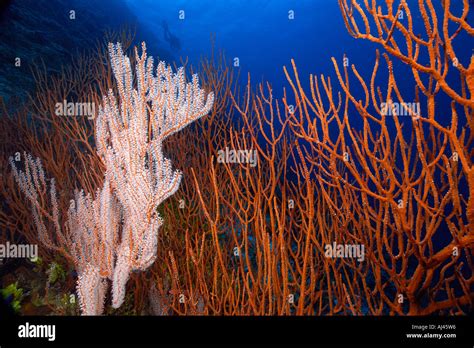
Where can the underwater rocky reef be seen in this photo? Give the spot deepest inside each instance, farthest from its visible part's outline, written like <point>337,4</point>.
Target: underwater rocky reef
<point>46,34</point>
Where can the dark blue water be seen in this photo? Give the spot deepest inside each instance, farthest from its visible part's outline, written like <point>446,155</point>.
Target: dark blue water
<point>260,34</point>
<point>264,38</point>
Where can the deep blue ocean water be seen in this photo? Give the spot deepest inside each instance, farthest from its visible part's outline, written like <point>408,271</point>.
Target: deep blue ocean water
<point>264,38</point>
<point>257,32</point>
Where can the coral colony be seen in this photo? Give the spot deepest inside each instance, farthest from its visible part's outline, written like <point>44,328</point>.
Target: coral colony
<point>114,232</point>
<point>352,194</point>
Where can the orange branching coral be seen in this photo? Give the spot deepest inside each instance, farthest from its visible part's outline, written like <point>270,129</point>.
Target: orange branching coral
<point>406,185</point>
<point>436,43</point>
<point>395,188</point>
